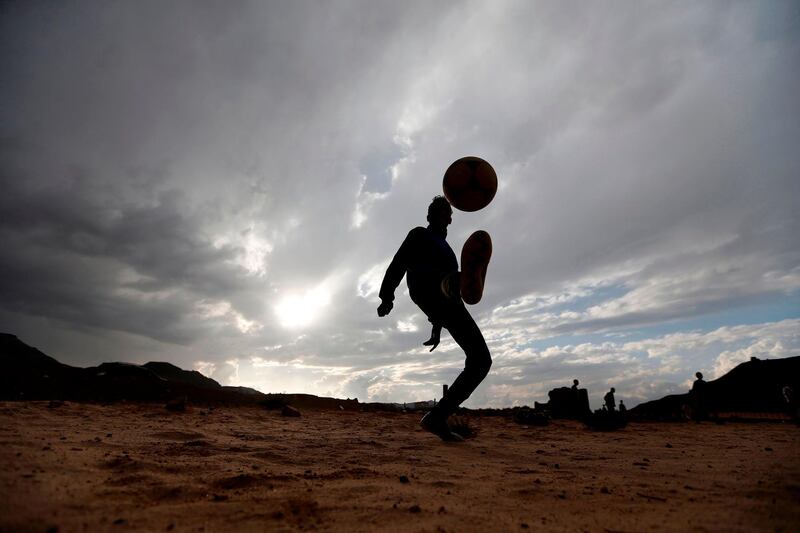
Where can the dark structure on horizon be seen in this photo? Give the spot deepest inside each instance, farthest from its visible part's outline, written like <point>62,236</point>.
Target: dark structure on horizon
<point>566,402</point>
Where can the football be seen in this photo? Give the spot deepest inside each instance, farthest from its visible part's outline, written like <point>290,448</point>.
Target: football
<point>469,183</point>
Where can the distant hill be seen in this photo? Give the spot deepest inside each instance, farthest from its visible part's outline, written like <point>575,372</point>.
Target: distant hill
<point>172,373</point>
<point>28,374</point>
<point>752,387</point>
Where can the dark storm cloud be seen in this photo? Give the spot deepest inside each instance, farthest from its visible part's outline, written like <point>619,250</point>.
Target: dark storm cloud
<point>91,262</point>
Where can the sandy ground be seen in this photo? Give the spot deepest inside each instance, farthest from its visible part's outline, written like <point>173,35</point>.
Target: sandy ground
<point>138,467</point>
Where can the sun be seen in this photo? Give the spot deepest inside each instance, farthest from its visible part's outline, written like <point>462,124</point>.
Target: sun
<point>303,308</point>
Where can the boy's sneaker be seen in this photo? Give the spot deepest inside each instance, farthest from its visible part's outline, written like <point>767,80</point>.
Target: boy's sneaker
<point>475,257</point>
<point>432,423</point>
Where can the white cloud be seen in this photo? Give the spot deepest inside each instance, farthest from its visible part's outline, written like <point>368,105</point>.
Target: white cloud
<point>207,368</point>
<point>369,283</point>
<point>776,341</point>
<point>407,326</point>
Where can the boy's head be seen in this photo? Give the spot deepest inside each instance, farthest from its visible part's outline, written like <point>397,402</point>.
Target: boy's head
<point>440,214</point>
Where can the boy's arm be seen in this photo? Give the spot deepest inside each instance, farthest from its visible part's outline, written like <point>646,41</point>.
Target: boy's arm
<point>394,275</point>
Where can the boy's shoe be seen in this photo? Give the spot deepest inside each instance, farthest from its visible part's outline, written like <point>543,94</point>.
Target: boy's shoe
<point>475,257</point>
<point>432,423</point>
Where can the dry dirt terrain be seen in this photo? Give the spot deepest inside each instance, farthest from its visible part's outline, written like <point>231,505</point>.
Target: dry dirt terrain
<point>128,467</point>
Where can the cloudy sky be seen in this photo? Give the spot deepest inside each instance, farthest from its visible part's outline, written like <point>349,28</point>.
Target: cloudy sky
<point>221,185</point>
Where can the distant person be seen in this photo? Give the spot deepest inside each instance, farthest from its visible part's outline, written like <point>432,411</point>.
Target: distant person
<point>575,402</point>
<point>788,394</point>
<point>698,397</point>
<point>610,404</point>
<point>426,259</point>
<point>791,402</point>
<point>699,383</point>
<point>622,409</point>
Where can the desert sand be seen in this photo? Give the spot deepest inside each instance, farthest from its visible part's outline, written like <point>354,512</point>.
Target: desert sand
<point>86,467</point>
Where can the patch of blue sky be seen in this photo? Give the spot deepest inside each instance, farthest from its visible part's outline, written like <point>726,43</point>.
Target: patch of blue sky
<point>567,340</point>
<point>377,167</point>
<point>598,295</point>
<point>772,310</point>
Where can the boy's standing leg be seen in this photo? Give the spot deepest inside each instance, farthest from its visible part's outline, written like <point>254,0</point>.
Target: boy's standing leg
<point>478,361</point>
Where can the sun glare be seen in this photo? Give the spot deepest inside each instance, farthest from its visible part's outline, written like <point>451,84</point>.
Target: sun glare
<point>302,309</point>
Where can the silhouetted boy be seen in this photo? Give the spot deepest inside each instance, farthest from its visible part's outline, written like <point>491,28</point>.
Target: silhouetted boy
<point>427,260</point>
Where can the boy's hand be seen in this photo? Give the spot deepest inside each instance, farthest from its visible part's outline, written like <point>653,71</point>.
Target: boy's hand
<point>385,307</point>
<point>433,342</point>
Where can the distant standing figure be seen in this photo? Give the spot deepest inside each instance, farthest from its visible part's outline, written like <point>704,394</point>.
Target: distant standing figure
<point>622,409</point>
<point>791,402</point>
<point>788,394</point>
<point>575,394</point>
<point>698,397</point>
<point>699,383</point>
<point>609,400</point>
